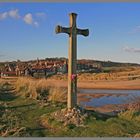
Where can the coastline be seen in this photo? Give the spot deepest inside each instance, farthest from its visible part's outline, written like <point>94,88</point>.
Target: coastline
<point>96,84</point>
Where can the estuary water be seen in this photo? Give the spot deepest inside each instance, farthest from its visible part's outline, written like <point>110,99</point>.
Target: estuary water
<point>125,97</point>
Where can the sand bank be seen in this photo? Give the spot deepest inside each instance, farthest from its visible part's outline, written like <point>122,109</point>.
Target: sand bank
<point>131,84</point>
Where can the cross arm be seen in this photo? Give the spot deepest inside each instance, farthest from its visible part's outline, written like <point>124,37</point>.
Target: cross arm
<point>84,32</point>
<point>60,29</point>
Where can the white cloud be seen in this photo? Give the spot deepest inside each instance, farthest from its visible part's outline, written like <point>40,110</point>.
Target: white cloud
<point>28,19</point>
<point>14,13</point>
<point>3,15</point>
<point>131,49</point>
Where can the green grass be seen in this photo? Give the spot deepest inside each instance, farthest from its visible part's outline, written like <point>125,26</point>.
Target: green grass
<point>97,128</point>
<point>26,112</point>
<point>29,111</point>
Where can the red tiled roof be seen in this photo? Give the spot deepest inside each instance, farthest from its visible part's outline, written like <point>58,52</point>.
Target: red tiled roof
<point>9,72</point>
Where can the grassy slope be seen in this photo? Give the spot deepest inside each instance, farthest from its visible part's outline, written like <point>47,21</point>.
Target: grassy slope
<point>29,112</point>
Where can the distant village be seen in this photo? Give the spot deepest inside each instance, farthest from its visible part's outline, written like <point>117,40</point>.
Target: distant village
<point>45,67</point>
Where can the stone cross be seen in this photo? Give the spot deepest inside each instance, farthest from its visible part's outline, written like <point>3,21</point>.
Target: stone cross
<point>72,31</point>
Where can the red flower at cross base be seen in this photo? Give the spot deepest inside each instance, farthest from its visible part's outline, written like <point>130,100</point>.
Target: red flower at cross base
<point>73,77</point>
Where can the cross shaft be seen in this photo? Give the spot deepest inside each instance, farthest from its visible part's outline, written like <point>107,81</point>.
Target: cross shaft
<point>72,31</point>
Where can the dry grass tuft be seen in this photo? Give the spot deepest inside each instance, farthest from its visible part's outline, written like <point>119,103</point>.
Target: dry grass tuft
<point>40,89</point>
<point>26,87</point>
<point>133,111</point>
<point>135,104</point>
<point>130,115</point>
<point>58,94</point>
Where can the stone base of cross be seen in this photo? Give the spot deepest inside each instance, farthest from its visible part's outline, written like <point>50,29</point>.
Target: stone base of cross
<point>72,31</point>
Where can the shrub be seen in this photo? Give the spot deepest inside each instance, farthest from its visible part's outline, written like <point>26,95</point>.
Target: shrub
<point>130,115</point>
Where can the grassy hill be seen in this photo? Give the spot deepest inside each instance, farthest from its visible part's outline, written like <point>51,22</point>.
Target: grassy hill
<point>102,63</point>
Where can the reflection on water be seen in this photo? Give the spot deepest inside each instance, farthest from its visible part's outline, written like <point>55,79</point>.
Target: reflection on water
<point>96,102</point>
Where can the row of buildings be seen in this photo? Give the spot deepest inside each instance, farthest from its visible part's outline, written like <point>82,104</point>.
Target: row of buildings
<point>45,67</point>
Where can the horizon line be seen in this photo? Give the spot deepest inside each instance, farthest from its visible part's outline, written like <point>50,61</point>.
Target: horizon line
<point>33,59</point>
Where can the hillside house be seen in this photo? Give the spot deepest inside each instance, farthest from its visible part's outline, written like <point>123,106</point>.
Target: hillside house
<point>8,70</point>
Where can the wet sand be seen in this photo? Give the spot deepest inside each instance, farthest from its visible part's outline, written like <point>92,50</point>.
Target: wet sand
<point>106,109</point>
<point>109,109</point>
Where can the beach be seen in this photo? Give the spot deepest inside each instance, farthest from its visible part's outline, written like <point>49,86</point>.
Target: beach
<point>112,84</point>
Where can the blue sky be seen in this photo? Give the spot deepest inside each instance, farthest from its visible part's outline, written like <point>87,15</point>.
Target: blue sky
<point>27,31</point>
